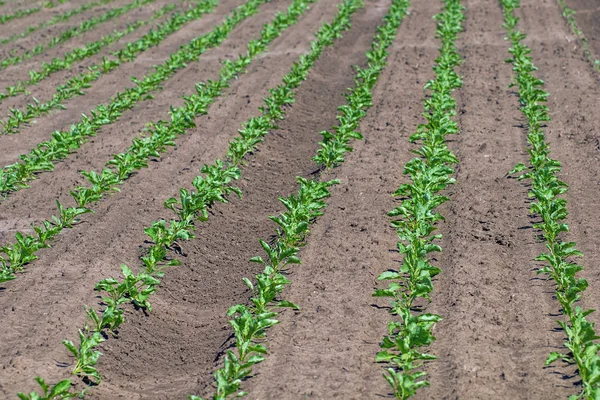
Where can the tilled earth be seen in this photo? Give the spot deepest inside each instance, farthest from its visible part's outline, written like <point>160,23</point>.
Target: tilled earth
<point>499,316</point>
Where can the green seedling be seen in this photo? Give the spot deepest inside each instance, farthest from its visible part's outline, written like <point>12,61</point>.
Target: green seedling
<point>60,391</point>
<point>416,217</point>
<point>542,172</point>
<point>86,355</point>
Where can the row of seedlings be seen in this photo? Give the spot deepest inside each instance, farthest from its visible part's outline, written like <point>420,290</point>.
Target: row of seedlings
<point>161,135</point>
<point>15,176</point>
<point>70,33</point>
<point>250,322</point>
<point>75,55</point>
<point>569,15</point>
<point>582,339</point>
<point>411,328</point>
<point>4,18</point>
<point>215,185</point>
<point>64,17</point>
<point>75,85</point>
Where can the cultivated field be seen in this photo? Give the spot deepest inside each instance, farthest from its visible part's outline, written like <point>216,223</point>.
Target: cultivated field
<point>299,199</point>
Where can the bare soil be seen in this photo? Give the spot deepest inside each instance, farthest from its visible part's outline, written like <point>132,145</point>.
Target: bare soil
<point>499,316</point>
<point>47,88</point>
<point>587,15</point>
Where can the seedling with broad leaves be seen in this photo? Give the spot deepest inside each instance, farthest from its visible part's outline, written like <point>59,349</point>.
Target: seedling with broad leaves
<point>250,322</point>
<point>66,35</point>
<point>557,263</point>
<point>411,329</point>
<point>75,85</point>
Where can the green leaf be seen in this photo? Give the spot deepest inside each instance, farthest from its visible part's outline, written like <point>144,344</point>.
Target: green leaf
<point>288,304</point>
<point>553,357</point>
<point>388,275</point>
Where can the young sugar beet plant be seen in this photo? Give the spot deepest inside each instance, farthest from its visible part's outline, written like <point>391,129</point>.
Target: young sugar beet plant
<point>75,85</point>
<point>582,340</point>
<point>24,13</point>
<point>569,15</point>
<point>162,135</point>
<point>336,144</point>
<point>19,14</point>
<point>15,176</point>
<point>411,328</point>
<point>214,186</point>
<point>64,17</point>
<point>65,62</point>
<point>250,322</point>
<point>64,36</point>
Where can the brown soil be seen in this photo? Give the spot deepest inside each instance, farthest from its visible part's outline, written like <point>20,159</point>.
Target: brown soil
<point>587,15</point>
<point>574,136</point>
<point>110,84</point>
<point>42,36</point>
<point>47,88</point>
<point>499,317</point>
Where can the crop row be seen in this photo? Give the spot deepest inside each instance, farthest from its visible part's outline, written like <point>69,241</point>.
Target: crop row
<point>78,30</point>
<point>214,187</point>
<point>64,17</point>
<point>542,171</point>
<point>119,168</point>
<point>28,11</point>
<point>15,176</point>
<point>75,85</point>
<point>411,328</point>
<point>250,323</point>
<point>66,60</point>
<point>569,15</point>
<point>187,208</point>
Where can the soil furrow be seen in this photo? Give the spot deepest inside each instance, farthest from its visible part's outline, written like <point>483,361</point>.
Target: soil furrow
<point>19,25</point>
<point>327,349</point>
<point>82,257</point>
<point>188,327</point>
<point>498,316</point>
<point>587,15</point>
<point>573,135</point>
<point>44,90</point>
<point>109,85</point>
<point>115,139</point>
<point>44,35</point>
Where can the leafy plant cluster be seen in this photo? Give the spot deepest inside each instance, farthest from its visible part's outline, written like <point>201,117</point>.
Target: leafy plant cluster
<point>24,249</point>
<point>214,186</point>
<point>75,31</point>
<point>59,391</point>
<point>23,13</point>
<point>136,288</point>
<point>546,187</point>
<point>163,134</point>
<point>411,329</point>
<point>336,144</point>
<point>569,15</point>
<point>65,62</point>
<point>64,17</point>
<point>15,176</point>
<point>251,322</point>
<point>75,85</point>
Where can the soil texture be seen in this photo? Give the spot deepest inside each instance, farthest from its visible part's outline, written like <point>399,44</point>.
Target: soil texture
<point>499,316</point>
